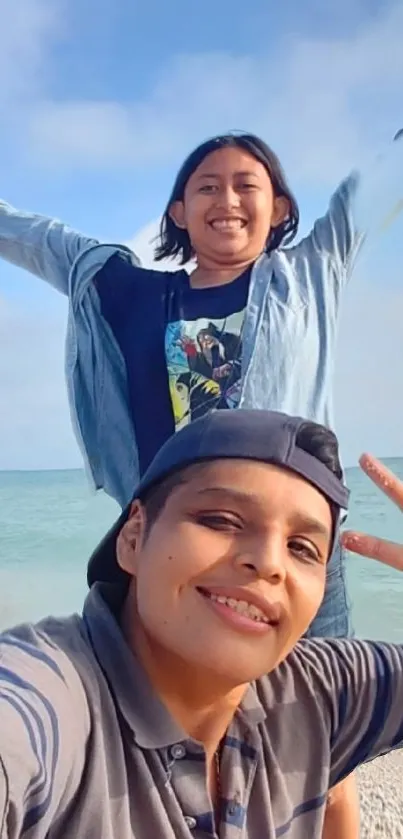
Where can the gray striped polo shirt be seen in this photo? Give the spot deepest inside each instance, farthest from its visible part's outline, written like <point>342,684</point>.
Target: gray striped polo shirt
<point>88,751</point>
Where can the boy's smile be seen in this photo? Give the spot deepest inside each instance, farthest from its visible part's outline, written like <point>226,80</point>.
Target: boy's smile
<point>245,609</point>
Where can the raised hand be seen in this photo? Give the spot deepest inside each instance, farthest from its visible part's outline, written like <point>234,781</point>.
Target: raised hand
<point>390,553</point>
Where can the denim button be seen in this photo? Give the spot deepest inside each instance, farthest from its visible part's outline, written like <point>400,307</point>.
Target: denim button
<point>191,822</point>
<point>178,751</point>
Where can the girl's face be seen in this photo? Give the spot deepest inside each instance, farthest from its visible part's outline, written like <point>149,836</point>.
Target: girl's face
<point>229,208</point>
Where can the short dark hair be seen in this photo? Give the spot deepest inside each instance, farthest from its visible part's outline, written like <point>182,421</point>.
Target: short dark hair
<point>313,438</point>
<point>174,242</point>
<point>322,443</point>
<point>155,498</point>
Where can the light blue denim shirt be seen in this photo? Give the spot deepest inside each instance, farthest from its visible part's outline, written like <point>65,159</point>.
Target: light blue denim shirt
<point>288,340</point>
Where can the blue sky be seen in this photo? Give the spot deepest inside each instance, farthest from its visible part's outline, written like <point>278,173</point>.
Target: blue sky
<point>98,105</point>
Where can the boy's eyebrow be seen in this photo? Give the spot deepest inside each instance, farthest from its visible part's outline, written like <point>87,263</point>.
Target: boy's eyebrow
<point>223,490</point>
<point>306,523</point>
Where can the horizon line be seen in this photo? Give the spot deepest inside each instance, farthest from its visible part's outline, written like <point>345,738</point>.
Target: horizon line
<point>26,470</point>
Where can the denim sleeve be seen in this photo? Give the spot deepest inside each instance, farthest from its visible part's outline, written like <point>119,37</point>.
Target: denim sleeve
<point>364,204</point>
<point>361,683</point>
<point>336,233</point>
<point>42,737</point>
<point>43,246</point>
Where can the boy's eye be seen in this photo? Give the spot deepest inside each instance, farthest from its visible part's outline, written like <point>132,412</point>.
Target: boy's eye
<point>219,521</point>
<point>304,550</point>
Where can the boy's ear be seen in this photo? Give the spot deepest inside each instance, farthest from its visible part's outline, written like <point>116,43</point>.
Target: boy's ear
<point>131,539</point>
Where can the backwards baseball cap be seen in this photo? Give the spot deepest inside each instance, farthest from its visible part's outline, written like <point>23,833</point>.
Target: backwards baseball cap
<point>265,436</point>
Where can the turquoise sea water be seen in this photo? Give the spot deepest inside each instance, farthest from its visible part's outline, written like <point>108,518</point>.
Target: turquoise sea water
<point>50,522</point>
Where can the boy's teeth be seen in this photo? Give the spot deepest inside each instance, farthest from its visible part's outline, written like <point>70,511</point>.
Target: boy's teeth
<point>241,606</point>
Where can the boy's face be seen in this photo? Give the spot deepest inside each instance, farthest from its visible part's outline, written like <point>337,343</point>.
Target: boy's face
<point>232,572</point>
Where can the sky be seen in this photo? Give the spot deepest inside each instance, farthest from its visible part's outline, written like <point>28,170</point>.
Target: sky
<point>99,104</point>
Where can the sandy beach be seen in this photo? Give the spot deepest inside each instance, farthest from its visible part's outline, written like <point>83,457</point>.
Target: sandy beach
<point>381,791</point>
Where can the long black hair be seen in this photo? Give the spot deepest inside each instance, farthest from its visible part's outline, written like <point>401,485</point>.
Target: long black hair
<point>175,242</point>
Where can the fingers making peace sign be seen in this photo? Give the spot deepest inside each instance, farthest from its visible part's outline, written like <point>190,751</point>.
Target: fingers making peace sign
<point>390,553</point>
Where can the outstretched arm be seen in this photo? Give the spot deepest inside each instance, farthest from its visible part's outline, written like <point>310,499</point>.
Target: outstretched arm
<point>368,201</point>
<point>43,246</point>
<point>359,685</point>
<point>42,736</point>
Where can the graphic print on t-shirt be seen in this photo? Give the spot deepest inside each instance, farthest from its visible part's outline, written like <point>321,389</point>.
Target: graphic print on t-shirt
<point>204,365</point>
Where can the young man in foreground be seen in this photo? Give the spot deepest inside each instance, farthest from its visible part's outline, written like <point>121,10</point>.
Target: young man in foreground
<point>153,714</point>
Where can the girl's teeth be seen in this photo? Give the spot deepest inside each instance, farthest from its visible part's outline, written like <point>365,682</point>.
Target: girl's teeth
<point>240,606</point>
<point>228,224</point>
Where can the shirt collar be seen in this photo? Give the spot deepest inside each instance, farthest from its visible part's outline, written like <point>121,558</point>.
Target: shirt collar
<point>146,715</point>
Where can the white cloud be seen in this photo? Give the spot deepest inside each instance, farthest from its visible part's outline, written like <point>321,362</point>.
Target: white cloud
<point>143,244</point>
<point>27,29</point>
<point>310,97</point>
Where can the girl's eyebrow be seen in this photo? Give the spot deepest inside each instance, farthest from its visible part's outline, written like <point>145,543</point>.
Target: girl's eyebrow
<point>217,175</point>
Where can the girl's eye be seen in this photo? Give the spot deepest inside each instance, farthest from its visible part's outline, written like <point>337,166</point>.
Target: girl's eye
<point>304,551</point>
<point>247,186</point>
<point>218,521</point>
<point>208,188</point>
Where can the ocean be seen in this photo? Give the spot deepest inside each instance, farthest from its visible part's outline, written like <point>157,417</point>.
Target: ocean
<point>50,522</point>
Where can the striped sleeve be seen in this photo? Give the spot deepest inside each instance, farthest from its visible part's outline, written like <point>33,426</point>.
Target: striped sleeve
<point>42,733</point>
<point>362,684</point>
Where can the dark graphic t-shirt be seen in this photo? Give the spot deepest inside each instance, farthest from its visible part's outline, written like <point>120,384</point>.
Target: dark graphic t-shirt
<point>182,347</point>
